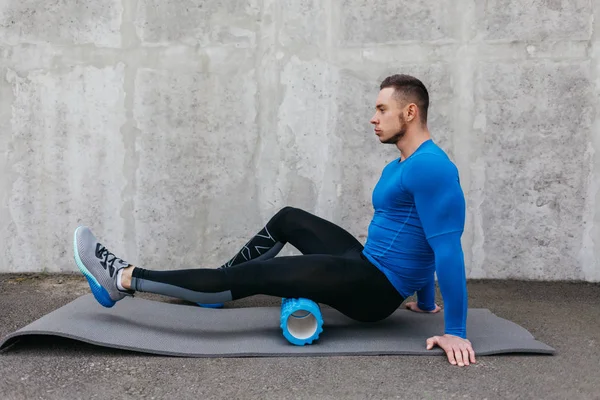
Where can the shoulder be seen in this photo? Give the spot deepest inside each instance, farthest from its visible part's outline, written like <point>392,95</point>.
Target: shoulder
<point>430,163</point>
<point>430,169</point>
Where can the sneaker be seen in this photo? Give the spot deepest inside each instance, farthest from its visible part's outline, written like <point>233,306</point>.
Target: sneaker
<point>99,266</point>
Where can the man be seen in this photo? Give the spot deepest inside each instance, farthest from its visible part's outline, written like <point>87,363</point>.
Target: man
<point>415,232</point>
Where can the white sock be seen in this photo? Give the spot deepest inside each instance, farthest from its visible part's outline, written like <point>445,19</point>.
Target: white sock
<point>119,277</point>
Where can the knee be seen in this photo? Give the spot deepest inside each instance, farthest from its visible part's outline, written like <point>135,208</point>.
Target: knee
<point>288,212</point>
<point>286,220</point>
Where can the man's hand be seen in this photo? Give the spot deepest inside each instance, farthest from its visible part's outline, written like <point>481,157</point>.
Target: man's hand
<point>458,350</point>
<point>412,306</point>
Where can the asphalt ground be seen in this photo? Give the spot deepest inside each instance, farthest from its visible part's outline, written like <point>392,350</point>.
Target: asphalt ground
<point>563,315</point>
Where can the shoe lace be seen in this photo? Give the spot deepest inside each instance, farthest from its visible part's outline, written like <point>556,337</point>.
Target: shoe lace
<point>107,259</point>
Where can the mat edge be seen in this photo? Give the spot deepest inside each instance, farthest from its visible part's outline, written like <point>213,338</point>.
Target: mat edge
<point>12,340</point>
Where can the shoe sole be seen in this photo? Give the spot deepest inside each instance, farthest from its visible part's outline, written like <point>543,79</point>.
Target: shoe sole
<point>98,291</point>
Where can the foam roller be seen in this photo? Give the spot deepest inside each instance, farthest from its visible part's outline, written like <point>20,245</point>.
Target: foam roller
<point>214,305</point>
<point>301,321</point>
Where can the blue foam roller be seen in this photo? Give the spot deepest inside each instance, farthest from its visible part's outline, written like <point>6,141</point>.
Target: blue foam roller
<point>301,321</point>
<point>215,305</point>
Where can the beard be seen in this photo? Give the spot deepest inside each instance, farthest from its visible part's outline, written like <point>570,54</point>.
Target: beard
<point>398,135</point>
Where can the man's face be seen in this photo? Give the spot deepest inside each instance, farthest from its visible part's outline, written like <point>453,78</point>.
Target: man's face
<point>389,122</point>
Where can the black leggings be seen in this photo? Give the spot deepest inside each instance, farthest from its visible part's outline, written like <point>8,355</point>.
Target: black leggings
<point>331,270</point>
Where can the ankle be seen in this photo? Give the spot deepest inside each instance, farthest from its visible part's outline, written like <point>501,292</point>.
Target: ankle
<point>126,274</point>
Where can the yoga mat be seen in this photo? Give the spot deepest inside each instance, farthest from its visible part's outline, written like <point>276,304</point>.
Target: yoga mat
<point>191,331</point>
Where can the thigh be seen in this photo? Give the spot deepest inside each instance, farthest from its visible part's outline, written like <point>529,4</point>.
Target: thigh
<point>311,234</point>
<point>351,285</point>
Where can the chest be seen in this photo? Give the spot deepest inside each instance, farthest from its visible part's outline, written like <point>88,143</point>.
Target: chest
<point>389,193</point>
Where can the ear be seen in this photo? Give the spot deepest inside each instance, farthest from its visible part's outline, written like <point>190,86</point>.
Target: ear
<point>411,112</point>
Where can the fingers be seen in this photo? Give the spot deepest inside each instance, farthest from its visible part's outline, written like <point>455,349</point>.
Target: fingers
<point>465,356</point>
<point>471,353</point>
<point>451,357</point>
<point>412,306</point>
<point>460,354</point>
<point>455,356</point>
<point>432,341</point>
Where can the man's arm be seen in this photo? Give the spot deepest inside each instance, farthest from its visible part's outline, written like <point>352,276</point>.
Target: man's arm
<point>426,297</point>
<point>439,200</point>
<point>450,268</point>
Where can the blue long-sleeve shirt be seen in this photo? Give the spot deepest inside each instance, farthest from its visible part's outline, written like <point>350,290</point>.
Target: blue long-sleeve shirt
<point>416,229</point>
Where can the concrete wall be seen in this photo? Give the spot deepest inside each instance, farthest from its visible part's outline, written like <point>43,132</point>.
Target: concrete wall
<point>176,129</point>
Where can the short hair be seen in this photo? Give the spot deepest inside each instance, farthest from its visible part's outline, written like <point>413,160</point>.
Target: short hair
<point>409,88</point>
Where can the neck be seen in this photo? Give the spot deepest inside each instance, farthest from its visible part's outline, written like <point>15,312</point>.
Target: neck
<point>411,142</point>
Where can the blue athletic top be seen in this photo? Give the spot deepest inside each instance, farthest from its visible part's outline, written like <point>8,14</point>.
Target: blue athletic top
<point>416,229</point>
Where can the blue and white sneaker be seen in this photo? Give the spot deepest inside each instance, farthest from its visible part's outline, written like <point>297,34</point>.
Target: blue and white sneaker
<point>99,266</point>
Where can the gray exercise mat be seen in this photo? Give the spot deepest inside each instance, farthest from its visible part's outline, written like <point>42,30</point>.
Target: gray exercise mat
<point>186,330</point>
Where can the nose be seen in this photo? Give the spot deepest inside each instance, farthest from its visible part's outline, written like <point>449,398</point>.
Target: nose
<point>373,120</point>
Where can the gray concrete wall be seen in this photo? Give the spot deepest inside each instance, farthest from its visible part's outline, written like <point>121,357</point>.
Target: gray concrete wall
<point>176,129</point>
